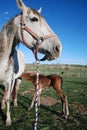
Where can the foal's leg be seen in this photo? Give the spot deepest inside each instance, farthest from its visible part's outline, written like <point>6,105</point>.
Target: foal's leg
<point>33,100</point>
<point>34,97</point>
<point>65,109</point>
<point>57,85</point>
<point>39,93</point>
<point>64,102</point>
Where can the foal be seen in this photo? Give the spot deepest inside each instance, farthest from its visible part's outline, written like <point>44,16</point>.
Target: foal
<point>46,81</point>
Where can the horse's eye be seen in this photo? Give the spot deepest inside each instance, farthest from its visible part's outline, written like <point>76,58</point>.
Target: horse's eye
<point>34,19</point>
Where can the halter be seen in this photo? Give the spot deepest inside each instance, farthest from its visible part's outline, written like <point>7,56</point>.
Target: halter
<point>39,39</point>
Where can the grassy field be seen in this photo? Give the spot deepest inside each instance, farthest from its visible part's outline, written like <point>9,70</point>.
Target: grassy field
<point>74,86</point>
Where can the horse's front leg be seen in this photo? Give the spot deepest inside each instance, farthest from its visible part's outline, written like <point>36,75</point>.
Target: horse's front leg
<point>15,89</point>
<point>8,99</point>
<point>4,97</point>
<point>33,100</point>
<point>8,117</point>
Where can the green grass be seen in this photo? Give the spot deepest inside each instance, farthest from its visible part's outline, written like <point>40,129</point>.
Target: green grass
<point>49,116</point>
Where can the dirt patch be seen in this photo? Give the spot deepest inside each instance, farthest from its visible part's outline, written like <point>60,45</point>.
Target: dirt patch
<point>76,91</point>
<point>26,92</point>
<point>80,108</point>
<point>48,101</point>
<point>44,100</point>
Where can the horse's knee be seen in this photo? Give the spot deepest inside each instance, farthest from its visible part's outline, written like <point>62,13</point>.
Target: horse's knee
<point>3,104</point>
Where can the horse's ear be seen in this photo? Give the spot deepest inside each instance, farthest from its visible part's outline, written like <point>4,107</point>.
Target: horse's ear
<point>39,10</point>
<point>20,4</point>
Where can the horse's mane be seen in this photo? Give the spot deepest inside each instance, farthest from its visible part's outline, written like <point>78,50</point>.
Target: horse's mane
<point>8,36</point>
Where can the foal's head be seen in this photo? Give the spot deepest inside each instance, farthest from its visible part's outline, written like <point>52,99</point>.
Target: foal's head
<point>39,32</point>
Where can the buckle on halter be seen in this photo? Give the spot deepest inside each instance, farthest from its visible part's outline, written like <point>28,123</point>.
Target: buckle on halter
<point>40,40</point>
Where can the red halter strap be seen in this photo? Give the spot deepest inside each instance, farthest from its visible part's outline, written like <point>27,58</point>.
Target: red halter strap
<point>39,39</point>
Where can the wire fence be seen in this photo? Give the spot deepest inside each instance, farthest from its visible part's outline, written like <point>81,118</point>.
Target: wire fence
<point>73,74</point>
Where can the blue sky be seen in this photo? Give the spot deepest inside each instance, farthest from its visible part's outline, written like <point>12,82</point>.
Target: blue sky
<point>68,19</point>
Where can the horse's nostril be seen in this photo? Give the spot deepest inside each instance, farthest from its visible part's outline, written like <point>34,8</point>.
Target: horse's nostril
<point>57,49</point>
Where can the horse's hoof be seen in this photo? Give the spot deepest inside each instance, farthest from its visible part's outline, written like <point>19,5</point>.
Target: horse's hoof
<point>66,116</point>
<point>8,123</point>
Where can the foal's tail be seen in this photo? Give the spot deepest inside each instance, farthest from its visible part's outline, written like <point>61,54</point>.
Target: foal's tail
<point>61,82</point>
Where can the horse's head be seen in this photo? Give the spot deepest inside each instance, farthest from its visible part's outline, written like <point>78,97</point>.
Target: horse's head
<point>36,34</point>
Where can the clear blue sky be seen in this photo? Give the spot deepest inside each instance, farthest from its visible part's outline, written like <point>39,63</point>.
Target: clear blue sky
<point>68,19</point>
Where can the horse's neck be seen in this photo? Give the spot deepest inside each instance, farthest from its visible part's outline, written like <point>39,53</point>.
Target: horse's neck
<point>26,76</point>
<point>17,22</point>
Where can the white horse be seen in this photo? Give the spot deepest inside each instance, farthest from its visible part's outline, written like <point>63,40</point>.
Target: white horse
<point>19,66</point>
<point>30,28</point>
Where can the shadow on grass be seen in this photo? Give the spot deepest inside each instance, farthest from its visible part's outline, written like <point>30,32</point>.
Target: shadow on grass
<point>25,100</point>
<point>50,110</point>
<point>26,118</point>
